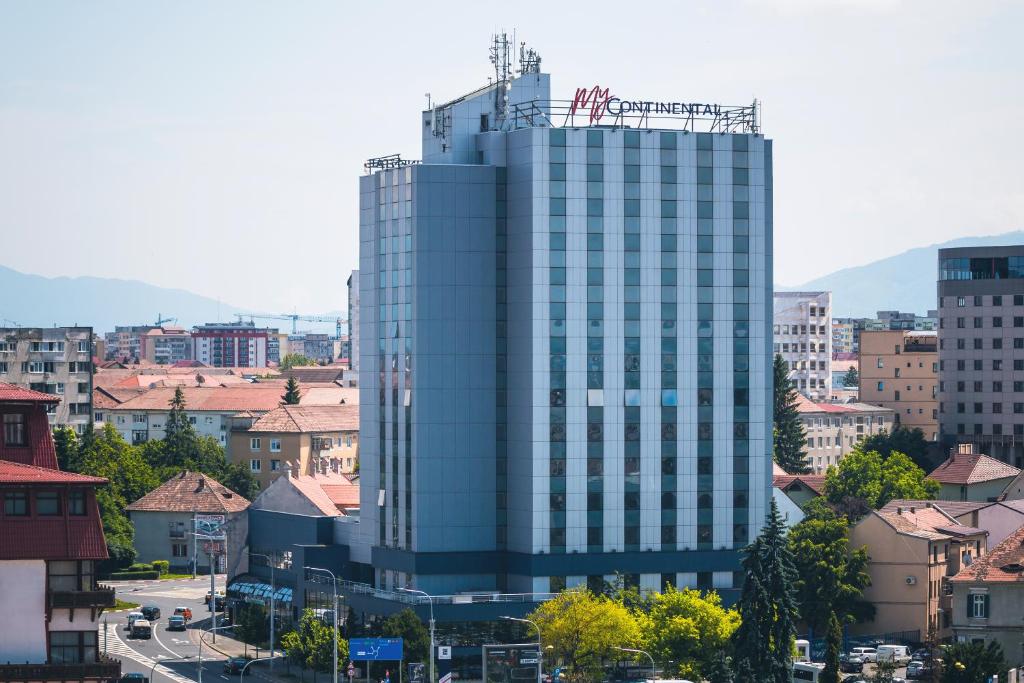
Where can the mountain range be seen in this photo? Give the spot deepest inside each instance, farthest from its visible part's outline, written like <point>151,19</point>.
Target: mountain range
<point>904,282</point>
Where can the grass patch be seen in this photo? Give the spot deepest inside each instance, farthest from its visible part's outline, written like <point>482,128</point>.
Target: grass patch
<point>120,605</point>
<point>164,577</point>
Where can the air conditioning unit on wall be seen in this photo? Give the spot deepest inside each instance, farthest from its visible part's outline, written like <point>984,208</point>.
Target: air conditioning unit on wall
<point>911,580</point>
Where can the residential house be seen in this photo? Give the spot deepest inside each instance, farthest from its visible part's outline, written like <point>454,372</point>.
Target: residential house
<point>999,519</point>
<point>304,439</point>
<point>967,475</point>
<point>834,429</point>
<point>330,494</point>
<point>913,551</point>
<point>988,599</point>
<point>800,488</point>
<point>165,518</point>
<point>51,538</point>
<point>803,337</point>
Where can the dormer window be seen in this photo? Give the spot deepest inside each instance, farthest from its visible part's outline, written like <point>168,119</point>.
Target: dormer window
<point>14,429</point>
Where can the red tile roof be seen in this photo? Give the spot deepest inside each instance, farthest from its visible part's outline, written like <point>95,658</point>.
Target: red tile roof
<point>972,468</point>
<point>305,419</point>
<point>190,492</point>
<point>1004,563</point>
<point>330,493</point>
<point>18,473</point>
<point>221,399</point>
<point>12,392</point>
<point>815,482</point>
<point>35,538</point>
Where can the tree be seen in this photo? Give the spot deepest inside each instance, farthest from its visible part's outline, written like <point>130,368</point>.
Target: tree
<point>65,442</point>
<point>686,632</point>
<point>851,378</point>
<point>583,630</point>
<point>291,392</point>
<point>830,576</point>
<point>295,360</point>
<point>415,636</point>
<point>179,442</point>
<point>311,645</point>
<point>833,646</point>
<point>252,624</point>
<point>240,479</point>
<point>866,476</point>
<point>910,442</point>
<point>763,643</point>
<point>789,435</point>
<point>972,662</point>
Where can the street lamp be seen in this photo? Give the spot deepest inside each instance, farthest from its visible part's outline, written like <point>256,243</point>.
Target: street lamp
<point>202,636</point>
<point>241,671</point>
<point>540,648</point>
<point>430,599</point>
<point>654,671</point>
<point>334,585</point>
<point>152,669</point>
<point>270,562</point>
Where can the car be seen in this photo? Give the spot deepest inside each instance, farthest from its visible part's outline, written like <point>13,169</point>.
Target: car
<point>133,678</point>
<point>897,654</point>
<point>235,665</point>
<point>141,629</point>
<point>176,622</point>
<point>851,664</point>
<point>133,617</point>
<point>918,669</point>
<point>868,654</point>
<point>151,612</point>
<point>185,612</point>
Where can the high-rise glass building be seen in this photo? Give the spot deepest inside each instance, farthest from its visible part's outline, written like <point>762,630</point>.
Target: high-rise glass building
<point>565,344</point>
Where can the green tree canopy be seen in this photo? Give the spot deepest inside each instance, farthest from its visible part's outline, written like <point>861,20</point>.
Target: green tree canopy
<point>972,662</point>
<point>291,395</point>
<point>788,430</point>
<point>851,378</point>
<point>584,629</point>
<point>686,632</point>
<point>833,647</point>
<point>295,360</point>
<point>763,643</point>
<point>415,636</point>
<point>910,442</point>
<point>831,577</point>
<point>311,645</point>
<point>867,476</point>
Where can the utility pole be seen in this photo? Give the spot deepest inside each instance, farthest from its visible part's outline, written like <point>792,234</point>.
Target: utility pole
<point>430,599</point>
<point>270,561</point>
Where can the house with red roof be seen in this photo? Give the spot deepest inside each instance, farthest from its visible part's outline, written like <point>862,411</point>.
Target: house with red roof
<point>834,429</point>
<point>988,598</point>
<point>968,475</point>
<point>51,539</point>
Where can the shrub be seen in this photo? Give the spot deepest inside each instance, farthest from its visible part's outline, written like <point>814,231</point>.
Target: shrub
<point>162,566</point>
<point>124,576</point>
<point>140,567</point>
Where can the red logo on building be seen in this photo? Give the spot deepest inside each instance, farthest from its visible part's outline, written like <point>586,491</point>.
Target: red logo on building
<point>595,99</point>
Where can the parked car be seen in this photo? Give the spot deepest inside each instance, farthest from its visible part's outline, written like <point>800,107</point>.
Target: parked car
<point>151,612</point>
<point>897,654</point>
<point>185,612</point>
<point>133,617</point>
<point>851,664</point>
<point>868,654</point>
<point>176,622</point>
<point>918,669</point>
<point>235,665</point>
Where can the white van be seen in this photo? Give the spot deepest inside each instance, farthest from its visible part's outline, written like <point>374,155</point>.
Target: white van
<point>898,654</point>
<point>803,650</point>
<point>806,671</point>
<point>867,654</point>
<point>133,617</point>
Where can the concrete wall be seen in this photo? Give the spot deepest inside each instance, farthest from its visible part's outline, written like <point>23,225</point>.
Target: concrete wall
<point>23,632</point>
<point>981,492</point>
<point>153,540</point>
<point>1003,625</point>
<point>916,384</point>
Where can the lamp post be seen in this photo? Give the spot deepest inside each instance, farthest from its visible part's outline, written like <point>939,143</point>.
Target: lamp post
<point>270,562</point>
<point>430,599</point>
<point>202,636</point>
<point>334,585</point>
<point>241,672</point>
<point>540,648</point>
<point>654,671</point>
<point>152,669</point>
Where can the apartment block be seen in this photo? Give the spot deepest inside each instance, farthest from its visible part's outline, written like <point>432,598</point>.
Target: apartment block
<point>166,345</point>
<point>229,345</point>
<point>833,429</point>
<point>846,331</point>
<point>52,360</point>
<point>125,342</point>
<point>899,370</point>
<point>981,349</point>
<point>803,336</point>
<point>353,320</point>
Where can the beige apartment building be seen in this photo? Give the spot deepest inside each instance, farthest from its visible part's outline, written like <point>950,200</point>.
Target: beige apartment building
<point>914,551</point>
<point>303,440</point>
<point>899,370</point>
<point>833,429</point>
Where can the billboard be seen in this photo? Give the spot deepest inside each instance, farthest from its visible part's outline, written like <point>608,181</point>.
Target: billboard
<point>210,527</point>
<point>375,649</point>
<point>516,663</point>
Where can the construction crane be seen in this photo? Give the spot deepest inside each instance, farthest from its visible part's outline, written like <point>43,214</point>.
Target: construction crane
<point>295,318</point>
<point>160,320</point>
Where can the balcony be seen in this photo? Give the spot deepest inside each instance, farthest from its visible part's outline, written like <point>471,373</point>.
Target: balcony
<point>101,596</point>
<point>106,669</point>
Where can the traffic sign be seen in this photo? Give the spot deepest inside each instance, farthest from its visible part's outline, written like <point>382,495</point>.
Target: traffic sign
<point>444,651</point>
<point>375,649</point>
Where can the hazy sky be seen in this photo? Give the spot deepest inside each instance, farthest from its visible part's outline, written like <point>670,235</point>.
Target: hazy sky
<point>215,146</point>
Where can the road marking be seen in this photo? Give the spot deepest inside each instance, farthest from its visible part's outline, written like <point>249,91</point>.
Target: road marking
<point>121,649</point>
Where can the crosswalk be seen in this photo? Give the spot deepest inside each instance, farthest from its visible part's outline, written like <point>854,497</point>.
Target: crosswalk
<point>118,648</point>
<point>183,592</point>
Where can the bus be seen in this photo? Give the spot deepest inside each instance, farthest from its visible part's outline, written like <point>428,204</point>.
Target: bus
<point>806,671</point>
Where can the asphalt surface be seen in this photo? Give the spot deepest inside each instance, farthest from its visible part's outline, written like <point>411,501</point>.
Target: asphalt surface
<point>175,654</point>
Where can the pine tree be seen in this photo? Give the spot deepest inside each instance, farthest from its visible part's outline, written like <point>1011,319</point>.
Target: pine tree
<point>789,434</point>
<point>179,443</point>
<point>291,392</point>
<point>851,378</point>
<point>833,646</point>
<point>763,643</point>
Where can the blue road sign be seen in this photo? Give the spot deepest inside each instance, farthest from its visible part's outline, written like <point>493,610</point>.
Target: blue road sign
<point>375,649</point>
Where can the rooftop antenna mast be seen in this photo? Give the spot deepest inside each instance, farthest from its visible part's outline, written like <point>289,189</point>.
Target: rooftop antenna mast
<point>529,60</point>
<point>501,58</point>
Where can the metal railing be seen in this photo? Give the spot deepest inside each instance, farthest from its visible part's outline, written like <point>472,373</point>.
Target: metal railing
<point>101,596</point>
<point>107,669</point>
<point>355,588</point>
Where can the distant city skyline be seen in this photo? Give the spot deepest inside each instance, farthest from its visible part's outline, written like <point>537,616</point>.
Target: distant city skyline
<point>227,163</point>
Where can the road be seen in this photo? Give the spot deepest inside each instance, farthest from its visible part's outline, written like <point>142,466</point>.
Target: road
<point>165,646</point>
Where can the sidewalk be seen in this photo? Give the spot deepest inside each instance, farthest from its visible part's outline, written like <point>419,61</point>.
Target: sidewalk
<point>229,647</point>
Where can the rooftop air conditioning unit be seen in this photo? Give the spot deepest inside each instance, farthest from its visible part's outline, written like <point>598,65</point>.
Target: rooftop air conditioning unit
<point>911,580</point>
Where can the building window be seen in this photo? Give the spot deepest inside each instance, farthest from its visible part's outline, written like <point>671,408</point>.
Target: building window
<point>76,503</point>
<point>179,550</point>
<point>256,465</point>
<point>978,606</point>
<point>275,445</point>
<point>16,504</point>
<point>275,465</point>
<point>14,429</point>
<point>72,647</point>
<point>254,444</point>
<point>70,575</point>
<point>48,503</point>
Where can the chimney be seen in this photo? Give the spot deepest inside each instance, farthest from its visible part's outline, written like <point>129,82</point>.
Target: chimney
<point>912,509</point>
<point>899,511</point>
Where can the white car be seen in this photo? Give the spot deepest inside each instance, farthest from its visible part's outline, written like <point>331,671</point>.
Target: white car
<point>867,654</point>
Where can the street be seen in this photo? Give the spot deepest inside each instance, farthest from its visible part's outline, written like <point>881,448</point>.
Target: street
<point>166,648</point>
